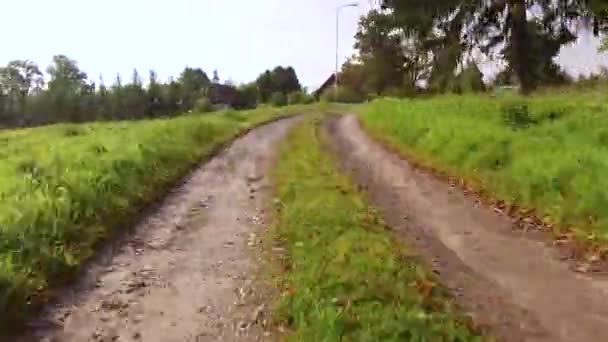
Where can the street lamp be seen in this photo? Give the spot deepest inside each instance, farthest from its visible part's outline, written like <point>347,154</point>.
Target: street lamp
<point>338,9</point>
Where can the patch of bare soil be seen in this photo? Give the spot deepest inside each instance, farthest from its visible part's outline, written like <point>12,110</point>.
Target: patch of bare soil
<point>188,272</point>
<point>515,286</point>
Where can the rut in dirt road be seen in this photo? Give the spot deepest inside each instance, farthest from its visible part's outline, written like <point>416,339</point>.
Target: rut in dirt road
<point>187,273</point>
<point>504,279</point>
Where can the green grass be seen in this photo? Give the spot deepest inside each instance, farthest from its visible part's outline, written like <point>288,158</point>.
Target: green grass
<point>65,188</point>
<point>553,160</point>
<point>345,278</point>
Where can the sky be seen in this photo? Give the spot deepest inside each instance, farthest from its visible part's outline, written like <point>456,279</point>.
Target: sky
<point>239,38</point>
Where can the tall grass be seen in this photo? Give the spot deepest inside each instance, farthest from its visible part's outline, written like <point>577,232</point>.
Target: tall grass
<point>64,188</point>
<point>346,279</point>
<point>548,153</point>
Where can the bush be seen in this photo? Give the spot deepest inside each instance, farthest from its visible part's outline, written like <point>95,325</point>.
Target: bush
<point>247,97</point>
<point>278,99</point>
<point>203,105</point>
<point>299,97</point>
<point>295,97</point>
<point>344,95</point>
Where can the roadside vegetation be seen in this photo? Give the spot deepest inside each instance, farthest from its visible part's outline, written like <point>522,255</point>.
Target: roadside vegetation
<point>29,97</point>
<point>546,152</point>
<point>65,188</point>
<point>344,277</point>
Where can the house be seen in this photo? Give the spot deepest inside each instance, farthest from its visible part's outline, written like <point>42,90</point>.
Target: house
<point>331,81</point>
<point>222,95</point>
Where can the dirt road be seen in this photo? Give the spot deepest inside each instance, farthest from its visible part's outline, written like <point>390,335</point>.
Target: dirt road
<point>507,281</point>
<point>186,274</point>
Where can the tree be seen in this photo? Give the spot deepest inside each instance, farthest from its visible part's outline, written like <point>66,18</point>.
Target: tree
<point>353,75</point>
<point>527,34</point>
<point>102,100</point>
<point>173,96</point>
<point>117,99</point>
<point>380,51</point>
<point>154,106</point>
<point>470,79</point>
<point>3,102</point>
<point>66,83</point>
<point>65,75</point>
<point>286,80</point>
<point>71,97</point>
<point>265,86</point>
<point>279,80</point>
<point>247,96</point>
<point>134,97</point>
<point>193,84</point>
<point>18,79</point>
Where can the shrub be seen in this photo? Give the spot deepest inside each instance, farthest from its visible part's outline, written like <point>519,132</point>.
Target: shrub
<point>295,97</point>
<point>300,97</point>
<point>278,99</point>
<point>203,105</point>
<point>344,95</point>
<point>247,97</point>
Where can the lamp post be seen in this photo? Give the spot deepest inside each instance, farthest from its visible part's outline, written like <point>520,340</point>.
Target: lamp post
<point>338,9</point>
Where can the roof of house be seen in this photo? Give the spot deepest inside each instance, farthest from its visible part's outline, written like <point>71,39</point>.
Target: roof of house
<point>221,94</point>
<point>330,82</point>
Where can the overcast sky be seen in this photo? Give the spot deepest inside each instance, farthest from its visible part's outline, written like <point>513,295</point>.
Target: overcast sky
<point>239,38</point>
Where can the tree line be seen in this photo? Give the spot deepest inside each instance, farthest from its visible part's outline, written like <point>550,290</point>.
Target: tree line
<point>410,46</point>
<point>69,95</point>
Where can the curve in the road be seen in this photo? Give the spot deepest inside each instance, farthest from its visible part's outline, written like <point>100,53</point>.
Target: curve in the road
<point>186,274</point>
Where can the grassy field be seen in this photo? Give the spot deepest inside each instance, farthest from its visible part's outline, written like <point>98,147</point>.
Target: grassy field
<point>548,152</point>
<point>65,188</point>
<point>345,278</point>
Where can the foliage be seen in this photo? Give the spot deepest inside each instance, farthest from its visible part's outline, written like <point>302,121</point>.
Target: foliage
<point>203,105</point>
<point>380,52</point>
<point>64,188</point>
<point>354,75</point>
<point>278,99</point>
<point>193,82</point>
<point>343,95</point>
<point>247,97</point>
<point>72,97</point>
<point>299,97</point>
<point>471,79</point>
<point>345,278</point>
<point>547,153</point>
<point>435,37</point>
<point>18,80</point>
<point>279,80</point>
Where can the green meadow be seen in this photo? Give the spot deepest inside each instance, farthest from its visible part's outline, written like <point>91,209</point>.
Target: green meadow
<point>547,153</point>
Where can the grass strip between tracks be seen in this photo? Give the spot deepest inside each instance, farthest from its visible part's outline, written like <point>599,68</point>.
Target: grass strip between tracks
<point>344,277</point>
